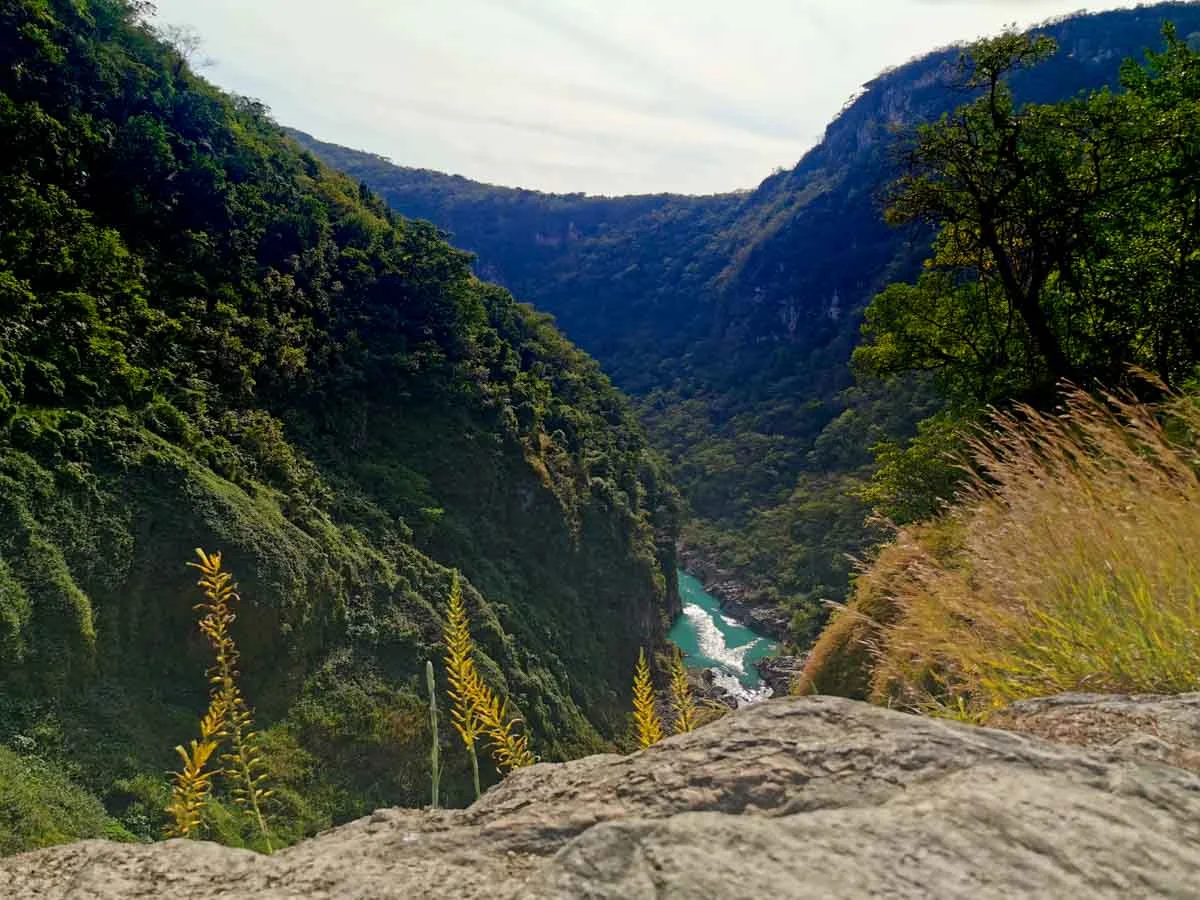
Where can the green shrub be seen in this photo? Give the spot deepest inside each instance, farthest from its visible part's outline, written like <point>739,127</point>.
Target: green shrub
<point>40,807</point>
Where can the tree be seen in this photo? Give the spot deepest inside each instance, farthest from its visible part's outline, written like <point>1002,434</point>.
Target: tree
<point>1151,258</point>
<point>1065,233</point>
<point>974,173</point>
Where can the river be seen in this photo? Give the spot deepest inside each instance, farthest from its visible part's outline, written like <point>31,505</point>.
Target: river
<point>712,640</point>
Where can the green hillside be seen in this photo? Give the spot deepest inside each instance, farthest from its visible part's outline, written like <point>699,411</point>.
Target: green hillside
<point>209,339</point>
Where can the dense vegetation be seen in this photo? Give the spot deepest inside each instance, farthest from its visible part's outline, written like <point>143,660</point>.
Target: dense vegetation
<point>1066,252</point>
<point>209,339</point>
<point>732,318</point>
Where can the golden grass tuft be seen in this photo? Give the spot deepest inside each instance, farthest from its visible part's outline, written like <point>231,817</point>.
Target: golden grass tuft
<point>645,715</point>
<point>842,659</point>
<point>475,709</point>
<point>682,703</point>
<point>1073,563</point>
<point>460,671</point>
<point>228,719</point>
<point>510,747</point>
<point>192,786</point>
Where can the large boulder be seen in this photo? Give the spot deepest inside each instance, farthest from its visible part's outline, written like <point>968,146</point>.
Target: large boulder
<point>798,797</point>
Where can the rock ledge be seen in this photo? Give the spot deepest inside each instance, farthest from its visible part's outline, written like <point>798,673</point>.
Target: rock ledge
<point>792,798</point>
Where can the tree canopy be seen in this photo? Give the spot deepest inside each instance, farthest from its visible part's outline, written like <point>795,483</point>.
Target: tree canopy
<point>1066,233</point>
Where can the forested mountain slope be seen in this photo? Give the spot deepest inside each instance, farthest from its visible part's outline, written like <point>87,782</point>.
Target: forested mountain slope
<point>733,317</point>
<point>209,339</point>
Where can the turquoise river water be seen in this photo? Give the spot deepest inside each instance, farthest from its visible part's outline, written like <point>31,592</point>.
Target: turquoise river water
<point>710,639</point>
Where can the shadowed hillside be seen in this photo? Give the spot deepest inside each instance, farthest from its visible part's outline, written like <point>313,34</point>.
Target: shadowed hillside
<point>210,339</point>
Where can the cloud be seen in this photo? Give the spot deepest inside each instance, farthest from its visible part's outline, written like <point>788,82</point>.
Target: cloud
<point>619,97</point>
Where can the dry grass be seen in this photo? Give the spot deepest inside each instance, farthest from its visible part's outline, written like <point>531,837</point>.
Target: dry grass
<point>842,659</point>
<point>1071,565</point>
<point>645,712</point>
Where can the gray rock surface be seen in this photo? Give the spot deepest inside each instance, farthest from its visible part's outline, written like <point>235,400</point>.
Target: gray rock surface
<point>793,798</point>
<point>1164,729</point>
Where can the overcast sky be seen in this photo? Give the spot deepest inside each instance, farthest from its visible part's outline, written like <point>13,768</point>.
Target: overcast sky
<point>602,96</point>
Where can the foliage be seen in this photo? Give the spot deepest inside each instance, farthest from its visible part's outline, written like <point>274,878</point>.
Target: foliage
<point>1050,222</point>
<point>1068,564</point>
<point>510,747</point>
<point>645,713</point>
<point>243,762</point>
<point>683,705</point>
<point>732,318</point>
<point>913,481</point>
<point>1063,251</point>
<point>40,806</point>
<point>1050,218</point>
<point>476,710</point>
<point>842,659</point>
<point>461,673</point>
<point>192,786</point>
<point>208,337</point>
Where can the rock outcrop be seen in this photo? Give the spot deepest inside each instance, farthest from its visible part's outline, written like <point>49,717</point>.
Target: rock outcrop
<point>793,798</point>
<point>779,673</point>
<point>1162,729</point>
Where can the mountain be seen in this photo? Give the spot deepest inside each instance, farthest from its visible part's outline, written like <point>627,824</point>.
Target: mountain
<point>210,339</point>
<point>732,318</point>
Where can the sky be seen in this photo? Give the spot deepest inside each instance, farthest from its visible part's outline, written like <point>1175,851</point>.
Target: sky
<point>598,96</point>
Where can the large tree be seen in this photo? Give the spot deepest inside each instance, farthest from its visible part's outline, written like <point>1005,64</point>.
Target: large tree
<point>1066,232</point>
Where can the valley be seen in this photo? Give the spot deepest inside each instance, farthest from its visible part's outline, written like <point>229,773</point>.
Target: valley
<point>471,527</point>
<point>731,319</point>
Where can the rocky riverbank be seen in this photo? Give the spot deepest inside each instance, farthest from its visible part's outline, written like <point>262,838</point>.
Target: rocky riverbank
<point>705,687</point>
<point>804,797</point>
<point>740,602</point>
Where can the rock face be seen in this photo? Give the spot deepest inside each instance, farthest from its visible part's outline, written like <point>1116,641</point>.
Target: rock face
<point>792,798</point>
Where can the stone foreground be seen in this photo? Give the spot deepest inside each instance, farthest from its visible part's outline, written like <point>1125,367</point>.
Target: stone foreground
<point>794,798</point>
